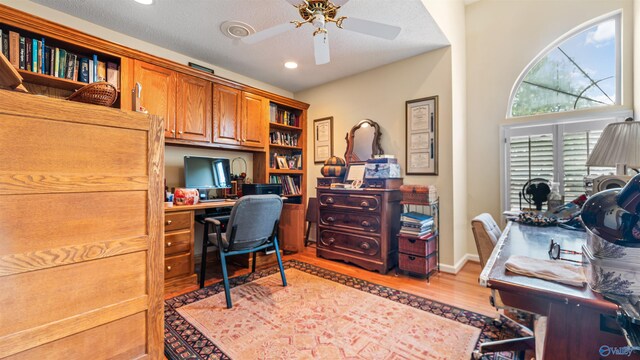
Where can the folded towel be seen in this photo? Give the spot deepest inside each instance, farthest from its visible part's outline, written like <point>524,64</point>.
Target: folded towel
<point>553,270</point>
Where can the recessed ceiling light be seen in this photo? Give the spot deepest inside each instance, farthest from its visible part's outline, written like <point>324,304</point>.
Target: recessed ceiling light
<point>144,2</point>
<point>291,65</point>
<point>236,29</point>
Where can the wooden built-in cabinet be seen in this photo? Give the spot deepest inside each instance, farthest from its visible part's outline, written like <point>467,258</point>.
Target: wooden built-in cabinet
<point>193,116</point>
<point>158,93</point>
<point>239,117</point>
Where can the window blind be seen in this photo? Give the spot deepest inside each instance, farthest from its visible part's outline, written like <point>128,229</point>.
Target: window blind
<point>529,157</point>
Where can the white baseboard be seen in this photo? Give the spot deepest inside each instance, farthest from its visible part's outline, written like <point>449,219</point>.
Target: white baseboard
<point>458,266</point>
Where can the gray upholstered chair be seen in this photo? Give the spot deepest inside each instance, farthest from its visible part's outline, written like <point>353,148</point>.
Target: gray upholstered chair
<point>486,232</point>
<point>252,226</point>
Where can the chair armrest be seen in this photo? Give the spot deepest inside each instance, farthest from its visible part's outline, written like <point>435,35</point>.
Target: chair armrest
<point>214,221</point>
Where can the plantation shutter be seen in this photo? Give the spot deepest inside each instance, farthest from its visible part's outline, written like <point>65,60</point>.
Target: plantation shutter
<point>576,149</point>
<point>530,156</point>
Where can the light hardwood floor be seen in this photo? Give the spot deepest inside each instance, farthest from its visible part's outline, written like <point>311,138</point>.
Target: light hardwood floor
<point>460,290</point>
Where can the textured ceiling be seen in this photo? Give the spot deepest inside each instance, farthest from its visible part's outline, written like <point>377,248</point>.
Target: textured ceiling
<point>192,27</point>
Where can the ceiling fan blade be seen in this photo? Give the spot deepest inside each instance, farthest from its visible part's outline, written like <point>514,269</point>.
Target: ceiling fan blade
<point>321,48</point>
<point>295,3</point>
<point>338,2</point>
<point>268,33</point>
<point>372,28</point>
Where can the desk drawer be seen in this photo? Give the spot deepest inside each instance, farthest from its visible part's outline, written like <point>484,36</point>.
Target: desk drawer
<point>370,203</point>
<point>350,221</point>
<point>178,266</point>
<point>177,242</point>
<point>368,246</point>
<point>177,220</point>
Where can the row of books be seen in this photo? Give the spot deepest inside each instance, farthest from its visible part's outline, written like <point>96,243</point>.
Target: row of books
<point>284,138</point>
<point>282,116</point>
<point>289,185</point>
<point>286,161</point>
<point>416,224</point>
<point>34,55</point>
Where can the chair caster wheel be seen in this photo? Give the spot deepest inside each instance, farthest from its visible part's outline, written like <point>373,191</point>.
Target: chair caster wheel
<point>497,323</point>
<point>476,355</point>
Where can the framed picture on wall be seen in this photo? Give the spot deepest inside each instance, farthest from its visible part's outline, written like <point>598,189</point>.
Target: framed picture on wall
<point>322,139</point>
<point>422,136</point>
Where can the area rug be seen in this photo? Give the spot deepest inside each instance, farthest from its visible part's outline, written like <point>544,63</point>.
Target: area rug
<point>320,315</point>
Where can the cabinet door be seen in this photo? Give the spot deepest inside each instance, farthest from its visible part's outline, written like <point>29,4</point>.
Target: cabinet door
<point>254,115</point>
<point>158,94</point>
<point>193,116</point>
<point>226,115</point>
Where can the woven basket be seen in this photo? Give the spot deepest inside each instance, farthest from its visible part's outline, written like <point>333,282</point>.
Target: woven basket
<point>99,93</point>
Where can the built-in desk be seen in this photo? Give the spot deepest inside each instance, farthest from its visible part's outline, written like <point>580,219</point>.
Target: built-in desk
<point>179,249</point>
<point>579,321</point>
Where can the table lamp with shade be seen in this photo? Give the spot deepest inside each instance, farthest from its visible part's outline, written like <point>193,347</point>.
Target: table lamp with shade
<point>619,146</point>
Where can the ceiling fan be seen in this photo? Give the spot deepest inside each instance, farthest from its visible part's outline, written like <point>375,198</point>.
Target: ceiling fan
<point>318,13</point>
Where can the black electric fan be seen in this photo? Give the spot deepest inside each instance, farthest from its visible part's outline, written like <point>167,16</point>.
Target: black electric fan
<point>535,192</point>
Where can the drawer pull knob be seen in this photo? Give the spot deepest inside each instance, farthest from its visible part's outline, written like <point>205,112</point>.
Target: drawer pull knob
<point>330,200</point>
<point>331,240</point>
<point>364,204</point>
<point>169,222</point>
<point>412,257</point>
<point>169,268</point>
<point>169,244</point>
<point>365,223</point>
<point>413,241</point>
<point>331,219</point>
<point>365,246</point>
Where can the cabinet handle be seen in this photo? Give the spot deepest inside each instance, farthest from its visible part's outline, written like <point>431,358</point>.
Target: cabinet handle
<point>365,246</point>
<point>169,244</point>
<point>169,268</point>
<point>412,257</point>
<point>173,131</point>
<point>169,222</point>
<point>331,240</point>
<point>331,219</point>
<point>365,223</point>
<point>413,241</point>
<point>364,204</point>
<point>180,132</point>
<point>329,200</point>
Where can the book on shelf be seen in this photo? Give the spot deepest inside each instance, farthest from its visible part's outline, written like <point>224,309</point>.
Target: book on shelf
<point>94,78</point>
<point>282,116</point>
<point>83,75</point>
<point>28,44</point>
<point>102,71</point>
<point>113,77</point>
<point>14,48</point>
<point>5,44</point>
<point>283,138</point>
<point>36,67</point>
<point>290,184</point>
<point>62,63</point>
<point>42,58</point>
<point>22,53</point>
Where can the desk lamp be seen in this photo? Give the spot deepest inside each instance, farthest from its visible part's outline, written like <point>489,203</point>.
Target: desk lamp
<point>619,146</point>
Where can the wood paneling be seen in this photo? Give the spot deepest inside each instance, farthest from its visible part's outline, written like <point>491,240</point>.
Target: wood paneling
<point>122,339</point>
<point>226,115</point>
<point>193,117</point>
<point>158,93</point>
<point>292,227</point>
<point>254,120</point>
<point>73,260</point>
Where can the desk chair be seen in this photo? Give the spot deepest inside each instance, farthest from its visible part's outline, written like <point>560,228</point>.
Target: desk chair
<point>252,226</point>
<point>486,233</point>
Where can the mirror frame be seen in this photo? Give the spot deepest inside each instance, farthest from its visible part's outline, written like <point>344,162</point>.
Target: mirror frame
<point>376,149</point>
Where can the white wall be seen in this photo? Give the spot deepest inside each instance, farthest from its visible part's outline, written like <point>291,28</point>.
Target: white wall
<point>502,38</point>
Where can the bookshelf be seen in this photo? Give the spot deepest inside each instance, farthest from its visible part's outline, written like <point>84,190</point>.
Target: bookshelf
<point>286,141</point>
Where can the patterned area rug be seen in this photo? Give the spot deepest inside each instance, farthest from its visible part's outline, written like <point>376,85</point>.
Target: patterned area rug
<point>320,315</point>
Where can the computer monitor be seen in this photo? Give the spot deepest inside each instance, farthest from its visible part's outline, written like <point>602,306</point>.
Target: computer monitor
<point>204,173</point>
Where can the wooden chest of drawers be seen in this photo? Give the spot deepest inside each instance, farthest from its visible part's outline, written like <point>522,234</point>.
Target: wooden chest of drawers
<point>359,226</point>
<point>178,250</point>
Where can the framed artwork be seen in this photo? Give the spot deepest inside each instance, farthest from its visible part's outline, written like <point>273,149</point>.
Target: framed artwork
<point>322,139</point>
<point>422,136</point>
<point>355,172</point>
<point>282,162</point>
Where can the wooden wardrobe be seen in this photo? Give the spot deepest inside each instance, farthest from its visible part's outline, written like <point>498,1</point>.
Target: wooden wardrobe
<point>81,227</point>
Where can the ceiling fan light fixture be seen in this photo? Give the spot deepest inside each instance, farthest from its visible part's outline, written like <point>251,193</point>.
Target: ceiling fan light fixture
<point>236,29</point>
<point>144,2</point>
<point>291,65</point>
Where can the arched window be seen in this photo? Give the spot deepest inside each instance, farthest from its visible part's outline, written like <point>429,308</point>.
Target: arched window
<point>580,70</point>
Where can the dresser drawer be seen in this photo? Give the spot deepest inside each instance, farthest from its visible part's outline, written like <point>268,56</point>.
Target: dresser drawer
<point>368,246</point>
<point>177,220</point>
<point>350,201</point>
<point>175,266</point>
<point>177,242</point>
<point>350,221</point>
<point>412,246</point>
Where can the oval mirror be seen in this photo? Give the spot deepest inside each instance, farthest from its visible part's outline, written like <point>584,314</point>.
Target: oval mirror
<point>363,142</point>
